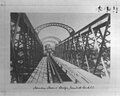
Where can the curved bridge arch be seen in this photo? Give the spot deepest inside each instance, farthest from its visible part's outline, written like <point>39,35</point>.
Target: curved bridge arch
<point>51,37</point>
<point>50,41</point>
<point>69,29</point>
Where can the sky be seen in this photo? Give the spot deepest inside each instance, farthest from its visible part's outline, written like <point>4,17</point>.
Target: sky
<point>74,20</point>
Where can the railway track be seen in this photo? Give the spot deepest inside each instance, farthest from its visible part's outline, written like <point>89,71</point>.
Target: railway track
<point>54,70</point>
<point>55,73</point>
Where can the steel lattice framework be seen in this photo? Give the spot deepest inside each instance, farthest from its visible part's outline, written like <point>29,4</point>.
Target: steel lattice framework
<point>69,29</point>
<point>26,48</point>
<point>89,48</point>
<point>51,37</point>
<point>50,41</point>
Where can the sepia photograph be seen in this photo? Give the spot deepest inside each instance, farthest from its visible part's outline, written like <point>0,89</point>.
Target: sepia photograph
<point>60,48</point>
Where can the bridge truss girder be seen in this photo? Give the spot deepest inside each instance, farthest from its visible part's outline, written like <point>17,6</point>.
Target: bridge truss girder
<point>89,47</point>
<point>26,48</point>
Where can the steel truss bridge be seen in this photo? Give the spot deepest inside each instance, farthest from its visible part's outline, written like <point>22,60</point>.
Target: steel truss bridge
<point>83,57</point>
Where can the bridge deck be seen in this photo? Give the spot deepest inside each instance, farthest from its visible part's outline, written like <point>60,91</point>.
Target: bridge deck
<point>76,75</point>
<point>40,73</point>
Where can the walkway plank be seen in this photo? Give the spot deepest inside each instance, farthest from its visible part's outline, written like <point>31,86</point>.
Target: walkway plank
<point>40,73</point>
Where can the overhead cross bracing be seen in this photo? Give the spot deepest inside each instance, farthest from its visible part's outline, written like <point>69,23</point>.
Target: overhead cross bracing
<point>82,55</point>
<point>69,29</point>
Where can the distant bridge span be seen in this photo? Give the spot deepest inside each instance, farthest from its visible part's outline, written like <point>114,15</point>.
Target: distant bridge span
<point>69,29</point>
<point>50,37</point>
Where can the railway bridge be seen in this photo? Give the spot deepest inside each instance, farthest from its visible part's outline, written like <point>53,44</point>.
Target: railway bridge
<point>83,57</point>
